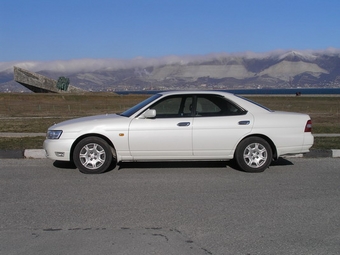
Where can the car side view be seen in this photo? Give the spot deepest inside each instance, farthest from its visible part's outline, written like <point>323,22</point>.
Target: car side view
<point>182,125</point>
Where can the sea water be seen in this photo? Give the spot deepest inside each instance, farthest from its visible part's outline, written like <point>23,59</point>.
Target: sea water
<point>295,91</point>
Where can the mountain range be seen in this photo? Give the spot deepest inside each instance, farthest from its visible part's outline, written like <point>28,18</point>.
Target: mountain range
<point>284,69</point>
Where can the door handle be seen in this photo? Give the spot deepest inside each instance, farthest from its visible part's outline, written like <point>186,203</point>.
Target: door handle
<point>183,124</point>
<point>244,122</point>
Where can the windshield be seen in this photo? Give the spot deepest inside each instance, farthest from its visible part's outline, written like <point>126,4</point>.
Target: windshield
<point>139,106</point>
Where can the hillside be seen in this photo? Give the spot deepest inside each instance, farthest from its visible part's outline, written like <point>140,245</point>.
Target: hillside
<point>290,69</point>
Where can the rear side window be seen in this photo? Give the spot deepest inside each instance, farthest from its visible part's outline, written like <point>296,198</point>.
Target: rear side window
<point>214,105</point>
<point>260,105</point>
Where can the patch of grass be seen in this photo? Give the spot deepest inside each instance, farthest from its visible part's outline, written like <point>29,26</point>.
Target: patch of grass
<point>326,143</point>
<point>9,143</point>
<point>28,125</point>
<point>64,106</point>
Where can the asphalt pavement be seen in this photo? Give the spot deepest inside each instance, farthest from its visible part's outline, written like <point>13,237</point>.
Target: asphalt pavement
<point>191,208</point>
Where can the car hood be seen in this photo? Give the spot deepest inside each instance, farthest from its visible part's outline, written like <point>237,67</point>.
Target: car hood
<point>75,125</point>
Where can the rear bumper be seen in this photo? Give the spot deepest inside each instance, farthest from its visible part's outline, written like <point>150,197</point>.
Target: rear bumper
<point>308,141</point>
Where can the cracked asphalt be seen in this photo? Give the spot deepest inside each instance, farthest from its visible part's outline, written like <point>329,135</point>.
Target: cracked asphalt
<point>49,207</point>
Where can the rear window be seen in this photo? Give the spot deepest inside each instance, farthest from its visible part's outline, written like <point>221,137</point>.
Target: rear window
<point>253,102</point>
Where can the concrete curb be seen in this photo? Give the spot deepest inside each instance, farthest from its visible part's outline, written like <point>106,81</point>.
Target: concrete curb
<point>335,153</point>
<point>40,154</point>
<point>317,154</point>
<point>34,154</point>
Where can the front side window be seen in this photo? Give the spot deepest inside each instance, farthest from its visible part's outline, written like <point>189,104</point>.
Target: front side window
<point>139,106</point>
<point>173,107</point>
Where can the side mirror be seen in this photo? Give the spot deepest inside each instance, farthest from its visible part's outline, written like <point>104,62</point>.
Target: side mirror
<point>149,114</point>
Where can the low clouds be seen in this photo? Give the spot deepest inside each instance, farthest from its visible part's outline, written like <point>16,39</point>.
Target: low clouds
<point>78,65</point>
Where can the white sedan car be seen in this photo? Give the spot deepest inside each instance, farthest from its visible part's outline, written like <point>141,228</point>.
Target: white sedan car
<point>182,125</point>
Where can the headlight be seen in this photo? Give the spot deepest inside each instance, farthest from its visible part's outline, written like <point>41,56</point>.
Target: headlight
<point>53,134</point>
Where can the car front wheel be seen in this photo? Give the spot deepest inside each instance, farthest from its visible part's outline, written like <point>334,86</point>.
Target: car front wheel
<point>253,154</point>
<point>92,155</point>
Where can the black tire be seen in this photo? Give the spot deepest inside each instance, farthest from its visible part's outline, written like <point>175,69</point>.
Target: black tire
<point>253,154</point>
<point>92,155</point>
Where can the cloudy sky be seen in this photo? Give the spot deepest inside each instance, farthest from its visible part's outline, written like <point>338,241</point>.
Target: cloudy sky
<point>44,30</point>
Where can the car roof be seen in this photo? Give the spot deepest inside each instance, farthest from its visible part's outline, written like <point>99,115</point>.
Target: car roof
<point>178,92</point>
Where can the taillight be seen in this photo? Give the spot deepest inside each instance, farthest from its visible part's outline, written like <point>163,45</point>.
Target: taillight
<point>308,127</point>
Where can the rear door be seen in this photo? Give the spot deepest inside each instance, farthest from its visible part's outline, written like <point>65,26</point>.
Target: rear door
<point>218,126</point>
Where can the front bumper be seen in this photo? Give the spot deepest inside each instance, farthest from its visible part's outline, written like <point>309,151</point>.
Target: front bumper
<point>58,149</point>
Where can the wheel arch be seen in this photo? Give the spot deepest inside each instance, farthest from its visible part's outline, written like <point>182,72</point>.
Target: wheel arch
<point>267,139</point>
<point>109,142</point>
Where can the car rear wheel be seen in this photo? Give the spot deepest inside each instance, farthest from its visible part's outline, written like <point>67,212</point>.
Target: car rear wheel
<point>253,154</point>
<point>92,155</point>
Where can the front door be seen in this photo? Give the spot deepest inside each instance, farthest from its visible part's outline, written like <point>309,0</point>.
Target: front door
<point>168,135</point>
